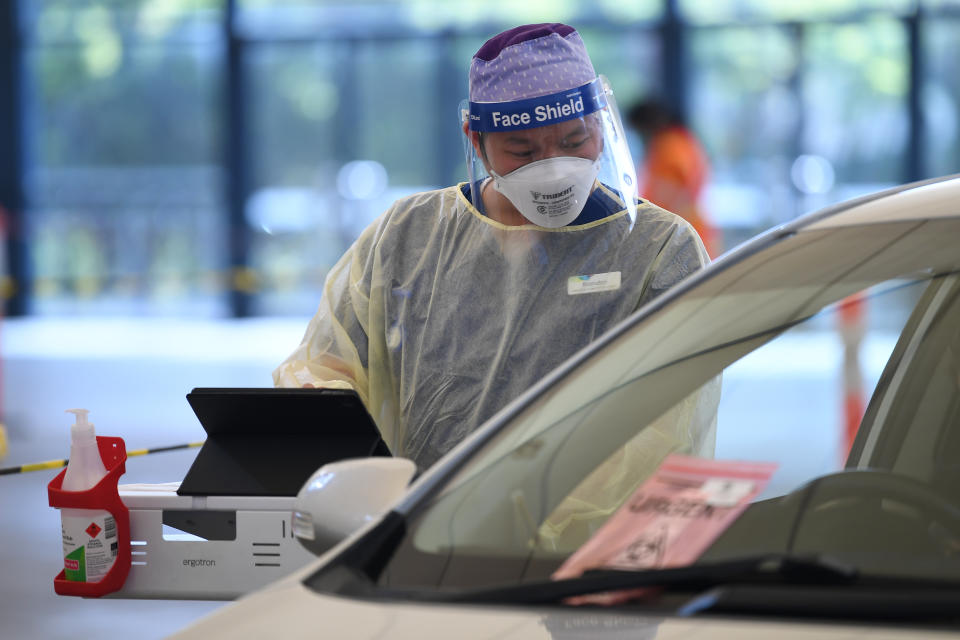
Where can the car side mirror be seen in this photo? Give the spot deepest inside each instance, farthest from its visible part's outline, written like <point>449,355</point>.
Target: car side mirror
<point>341,497</point>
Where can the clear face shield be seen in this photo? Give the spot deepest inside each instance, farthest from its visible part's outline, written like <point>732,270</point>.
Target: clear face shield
<point>559,160</point>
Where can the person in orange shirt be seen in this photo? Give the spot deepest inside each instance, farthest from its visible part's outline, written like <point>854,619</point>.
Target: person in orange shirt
<point>674,169</point>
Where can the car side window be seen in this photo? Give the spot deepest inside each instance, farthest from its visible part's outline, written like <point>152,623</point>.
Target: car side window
<point>805,390</point>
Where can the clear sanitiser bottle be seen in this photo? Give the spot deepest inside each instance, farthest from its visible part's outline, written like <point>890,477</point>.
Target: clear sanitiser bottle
<point>89,535</point>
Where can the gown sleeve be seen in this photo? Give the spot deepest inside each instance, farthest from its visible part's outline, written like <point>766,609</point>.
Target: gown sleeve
<point>334,350</point>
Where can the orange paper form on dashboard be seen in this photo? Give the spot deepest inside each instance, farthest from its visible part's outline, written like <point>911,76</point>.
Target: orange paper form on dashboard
<point>670,519</point>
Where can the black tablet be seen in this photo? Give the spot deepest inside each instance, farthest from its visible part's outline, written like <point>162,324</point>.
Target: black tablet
<point>267,441</point>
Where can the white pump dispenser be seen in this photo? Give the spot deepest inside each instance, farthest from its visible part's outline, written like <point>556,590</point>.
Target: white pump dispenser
<point>89,535</point>
<point>85,468</point>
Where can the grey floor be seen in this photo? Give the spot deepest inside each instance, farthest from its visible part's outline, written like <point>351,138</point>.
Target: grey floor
<point>132,375</point>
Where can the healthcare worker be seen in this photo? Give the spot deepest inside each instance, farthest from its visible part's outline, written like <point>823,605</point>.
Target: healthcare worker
<point>456,301</point>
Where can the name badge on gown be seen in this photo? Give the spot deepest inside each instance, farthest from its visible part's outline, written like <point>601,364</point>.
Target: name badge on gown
<point>577,285</point>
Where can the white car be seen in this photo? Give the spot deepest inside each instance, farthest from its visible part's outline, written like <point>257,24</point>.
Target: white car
<point>761,346</point>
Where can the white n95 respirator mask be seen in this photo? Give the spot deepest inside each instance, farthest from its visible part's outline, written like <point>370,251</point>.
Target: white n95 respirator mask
<point>549,193</point>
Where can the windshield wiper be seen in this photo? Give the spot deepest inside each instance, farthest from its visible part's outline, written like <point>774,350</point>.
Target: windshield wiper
<point>770,568</point>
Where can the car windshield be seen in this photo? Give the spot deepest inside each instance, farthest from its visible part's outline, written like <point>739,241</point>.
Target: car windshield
<point>768,359</point>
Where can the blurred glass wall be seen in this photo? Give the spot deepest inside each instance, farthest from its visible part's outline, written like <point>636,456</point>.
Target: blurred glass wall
<point>122,179</point>
<point>215,158</point>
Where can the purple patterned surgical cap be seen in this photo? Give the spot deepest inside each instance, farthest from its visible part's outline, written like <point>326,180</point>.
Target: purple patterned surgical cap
<point>529,61</point>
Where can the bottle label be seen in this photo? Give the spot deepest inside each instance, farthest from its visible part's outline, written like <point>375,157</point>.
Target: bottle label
<point>89,546</point>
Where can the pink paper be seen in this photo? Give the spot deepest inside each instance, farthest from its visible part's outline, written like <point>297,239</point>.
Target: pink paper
<point>669,520</point>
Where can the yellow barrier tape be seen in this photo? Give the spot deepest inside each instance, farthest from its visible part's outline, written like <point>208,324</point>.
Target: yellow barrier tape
<point>56,464</point>
<point>248,280</point>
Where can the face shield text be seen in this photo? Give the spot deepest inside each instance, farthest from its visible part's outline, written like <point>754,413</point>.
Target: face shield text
<point>542,113</point>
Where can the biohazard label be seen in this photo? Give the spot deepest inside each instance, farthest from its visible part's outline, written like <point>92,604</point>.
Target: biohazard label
<point>669,520</point>
<point>89,546</point>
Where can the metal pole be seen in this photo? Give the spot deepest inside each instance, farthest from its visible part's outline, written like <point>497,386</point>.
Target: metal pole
<point>235,163</point>
<point>798,35</point>
<point>915,161</point>
<point>674,63</point>
<point>449,160</point>
<point>14,289</point>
